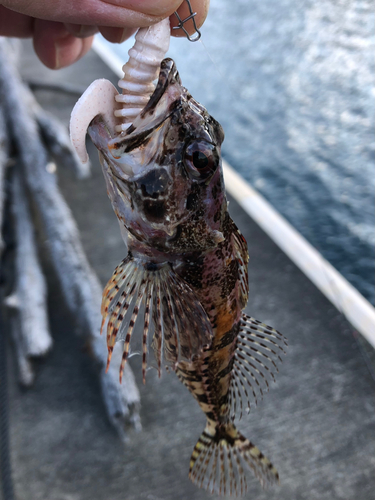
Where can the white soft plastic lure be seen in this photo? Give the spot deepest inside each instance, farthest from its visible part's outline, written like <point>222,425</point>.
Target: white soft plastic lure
<point>119,110</point>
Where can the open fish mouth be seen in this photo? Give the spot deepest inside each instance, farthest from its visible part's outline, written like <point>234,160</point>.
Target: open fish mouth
<point>164,101</point>
<point>129,152</point>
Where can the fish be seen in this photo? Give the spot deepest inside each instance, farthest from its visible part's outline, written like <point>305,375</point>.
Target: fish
<point>185,276</point>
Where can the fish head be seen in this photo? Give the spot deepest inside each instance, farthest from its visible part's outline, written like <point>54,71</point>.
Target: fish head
<point>164,174</point>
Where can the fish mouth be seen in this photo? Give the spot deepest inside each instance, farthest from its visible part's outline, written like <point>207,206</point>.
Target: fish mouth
<point>129,153</point>
<point>165,99</point>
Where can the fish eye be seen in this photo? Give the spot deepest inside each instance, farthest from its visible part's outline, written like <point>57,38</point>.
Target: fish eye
<point>201,159</point>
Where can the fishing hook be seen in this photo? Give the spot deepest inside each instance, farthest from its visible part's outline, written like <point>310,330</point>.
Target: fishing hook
<point>197,34</point>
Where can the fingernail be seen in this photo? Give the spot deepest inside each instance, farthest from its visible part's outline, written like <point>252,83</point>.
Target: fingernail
<point>80,30</point>
<point>116,35</point>
<point>126,33</point>
<point>67,51</point>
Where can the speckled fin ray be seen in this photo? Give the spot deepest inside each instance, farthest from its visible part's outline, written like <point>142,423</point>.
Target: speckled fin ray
<point>258,353</point>
<point>242,257</point>
<point>173,318</point>
<point>221,458</point>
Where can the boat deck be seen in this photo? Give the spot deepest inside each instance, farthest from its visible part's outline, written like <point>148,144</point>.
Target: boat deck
<point>317,423</point>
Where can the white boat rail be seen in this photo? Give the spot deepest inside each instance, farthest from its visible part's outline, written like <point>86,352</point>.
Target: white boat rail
<point>330,282</point>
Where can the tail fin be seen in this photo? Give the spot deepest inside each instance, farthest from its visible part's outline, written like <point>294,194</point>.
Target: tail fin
<point>220,459</point>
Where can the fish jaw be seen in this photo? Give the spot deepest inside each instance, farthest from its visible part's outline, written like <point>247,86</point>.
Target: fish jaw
<point>127,152</point>
<point>157,110</point>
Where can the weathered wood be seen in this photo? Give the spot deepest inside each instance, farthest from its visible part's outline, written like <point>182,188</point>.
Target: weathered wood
<point>29,298</point>
<point>4,152</point>
<point>80,285</point>
<point>26,373</point>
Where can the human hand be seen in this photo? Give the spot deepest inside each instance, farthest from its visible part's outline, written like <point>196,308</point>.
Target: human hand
<point>62,30</point>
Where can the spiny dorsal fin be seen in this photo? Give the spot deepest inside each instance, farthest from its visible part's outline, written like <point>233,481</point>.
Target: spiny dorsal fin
<point>173,318</point>
<point>256,358</point>
<point>221,458</point>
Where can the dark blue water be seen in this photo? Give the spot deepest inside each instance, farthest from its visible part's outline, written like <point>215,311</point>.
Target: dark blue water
<point>292,83</point>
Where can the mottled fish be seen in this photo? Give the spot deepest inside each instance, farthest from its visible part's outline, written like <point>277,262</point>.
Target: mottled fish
<point>185,275</point>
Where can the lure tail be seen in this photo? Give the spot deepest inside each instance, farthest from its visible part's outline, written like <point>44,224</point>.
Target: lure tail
<point>221,458</point>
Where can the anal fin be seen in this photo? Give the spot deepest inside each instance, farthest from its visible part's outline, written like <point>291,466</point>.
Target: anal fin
<point>256,359</point>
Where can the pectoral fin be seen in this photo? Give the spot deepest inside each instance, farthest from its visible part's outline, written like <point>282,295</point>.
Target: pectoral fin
<point>173,319</point>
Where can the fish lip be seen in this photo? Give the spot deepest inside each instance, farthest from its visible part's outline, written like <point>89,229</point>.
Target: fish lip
<point>167,76</point>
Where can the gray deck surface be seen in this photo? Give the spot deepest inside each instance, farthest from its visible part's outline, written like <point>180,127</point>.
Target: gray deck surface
<point>317,424</point>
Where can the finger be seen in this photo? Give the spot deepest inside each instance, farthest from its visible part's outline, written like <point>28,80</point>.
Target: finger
<point>156,8</point>
<point>116,35</point>
<point>57,48</point>
<point>81,30</point>
<point>198,6</point>
<point>15,24</point>
<point>116,13</point>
